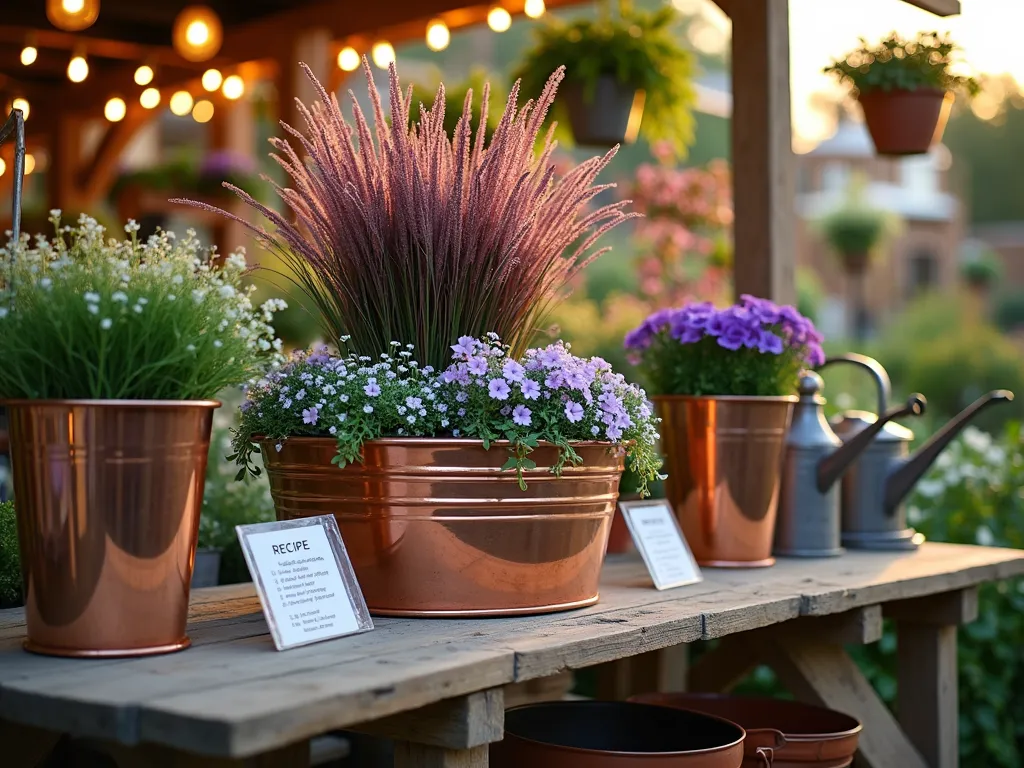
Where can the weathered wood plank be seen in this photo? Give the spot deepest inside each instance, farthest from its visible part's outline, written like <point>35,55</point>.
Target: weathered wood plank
<point>461,723</point>
<point>926,681</point>
<point>419,756</point>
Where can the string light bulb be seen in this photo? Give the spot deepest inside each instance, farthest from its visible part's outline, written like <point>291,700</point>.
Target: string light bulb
<point>72,15</point>
<point>78,68</point>
<point>534,8</point>
<point>212,78</point>
<point>197,33</point>
<point>438,35</point>
<point>150,98</point>
<point>144,75</point>
<point>498,19</point>
<point>348,59</point>
<point>29,54</point>
<point>382,53</point>
<point>202,112</point>
<point>30,163</point>
<point>233,87</point>
<point>23,105</point>
<point>181,103</point>
<point>115,109</point>
<point>3,167</point>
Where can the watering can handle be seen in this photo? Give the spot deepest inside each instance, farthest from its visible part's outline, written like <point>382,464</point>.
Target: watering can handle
<point>766,755</point>
<point>15,126</point>
<point>873,367</point>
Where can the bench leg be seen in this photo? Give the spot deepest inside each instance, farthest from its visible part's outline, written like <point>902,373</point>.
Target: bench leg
<point>408,755</point>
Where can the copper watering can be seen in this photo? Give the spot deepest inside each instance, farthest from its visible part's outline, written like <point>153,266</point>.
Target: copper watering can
<point>880,473</point>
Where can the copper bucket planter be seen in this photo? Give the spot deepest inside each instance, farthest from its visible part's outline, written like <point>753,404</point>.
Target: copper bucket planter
<point>616,734</point>
<point>723,456</point>
<point>812,737</point>
<point>108,494</point>
<point>436,528</point>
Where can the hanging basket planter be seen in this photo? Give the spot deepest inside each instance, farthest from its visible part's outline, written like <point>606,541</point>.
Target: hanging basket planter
<point>610,115</point>
<point>906,122</point>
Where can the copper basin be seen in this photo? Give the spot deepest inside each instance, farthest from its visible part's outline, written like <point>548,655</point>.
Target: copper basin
<point>108,494</point>
<point>437,528</point>
<point>815,737</point>
<point>723,457</point>
<point>615,734</point>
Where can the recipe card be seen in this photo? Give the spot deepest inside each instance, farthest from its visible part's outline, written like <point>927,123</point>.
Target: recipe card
<point>660,542</point>
<point>304,579</point>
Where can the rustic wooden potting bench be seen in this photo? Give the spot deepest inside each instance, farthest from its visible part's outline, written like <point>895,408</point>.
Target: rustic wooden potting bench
<point>439,687</point>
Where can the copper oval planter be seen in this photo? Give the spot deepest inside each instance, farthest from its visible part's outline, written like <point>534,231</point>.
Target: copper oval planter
<point>434,527</point>
<point>615,734</point>
<point>905,122</point>
<point>108,494</point>
<point>813,737</point>
<point>723,457</point>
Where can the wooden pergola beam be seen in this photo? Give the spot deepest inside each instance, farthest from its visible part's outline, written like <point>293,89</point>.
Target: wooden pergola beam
<point>938,7</point>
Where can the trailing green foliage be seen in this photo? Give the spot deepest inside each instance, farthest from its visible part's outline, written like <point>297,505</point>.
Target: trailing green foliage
<point>84,317</point>
<point>982,271</point>
<point>897,64</point>
<point>639,49</point>
<point>10,562</point>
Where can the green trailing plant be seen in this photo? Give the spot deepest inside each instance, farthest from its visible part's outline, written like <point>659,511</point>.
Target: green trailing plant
<point>899,64</point>
<point>194,176</point>
<point>639,49</point>
<point>855,229</point>
<point>10,561</point>
<point>82,316</point>
<point>983,271</point>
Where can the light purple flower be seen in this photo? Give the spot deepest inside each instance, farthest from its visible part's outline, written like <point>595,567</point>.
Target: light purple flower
<point>530,389</point>
<point>310,415</point>
<point>465,346</point>
<point>498,389</point>
<point>477,366</point>
<point>573,411</point>
<point>521,416</point>
<point>513,371</point>
<point>372,389</point>
<point>555,379</point>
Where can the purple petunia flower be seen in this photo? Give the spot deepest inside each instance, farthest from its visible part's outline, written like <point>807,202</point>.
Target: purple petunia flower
<point>465,346</point>
<point>477,366</point>
<point>573,411</point>
<point>521,415</point>
<point>498,389</point>
<point>372,389</point>
<point>310,415</point>
<point>769,343</point>
<point>513,371</point>
<point>530,389</point>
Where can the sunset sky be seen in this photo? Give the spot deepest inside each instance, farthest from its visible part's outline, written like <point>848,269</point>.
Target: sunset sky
<point>820,30</point>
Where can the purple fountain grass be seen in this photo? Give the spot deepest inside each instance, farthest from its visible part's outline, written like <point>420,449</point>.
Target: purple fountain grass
<point>404,233</point>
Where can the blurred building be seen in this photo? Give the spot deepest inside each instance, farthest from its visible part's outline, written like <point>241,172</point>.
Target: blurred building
<point>919,190</point>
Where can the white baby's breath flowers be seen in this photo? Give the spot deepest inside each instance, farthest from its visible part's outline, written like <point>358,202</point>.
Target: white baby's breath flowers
<point>105,323</point>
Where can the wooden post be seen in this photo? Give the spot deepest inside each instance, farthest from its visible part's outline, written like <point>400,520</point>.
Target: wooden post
<point>313,48</point>
<point>233,129</point>
<point>763,165</point>
<point>420,756</point>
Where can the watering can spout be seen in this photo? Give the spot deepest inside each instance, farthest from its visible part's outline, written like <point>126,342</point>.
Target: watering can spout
<point>832,467</point>
<point>899,482</point>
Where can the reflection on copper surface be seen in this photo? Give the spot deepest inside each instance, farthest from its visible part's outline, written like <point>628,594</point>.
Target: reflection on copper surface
<point>436,528</point>
<point>723,457</point>
<point>108,495</point>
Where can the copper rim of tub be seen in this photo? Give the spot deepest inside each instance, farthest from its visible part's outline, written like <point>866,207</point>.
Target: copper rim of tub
<point>723,457</point>
<point>814,736</point>
<point>436,527</point>
<point>108,495</point>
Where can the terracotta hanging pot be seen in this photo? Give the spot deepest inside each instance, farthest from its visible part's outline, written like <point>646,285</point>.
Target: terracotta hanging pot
<point>617,734</point>
<point>435,527</point>
<point>108,499</point>
<point>814,737</point>
<point>607,115</point>
<point>723,457</point>
<point>905,122</point>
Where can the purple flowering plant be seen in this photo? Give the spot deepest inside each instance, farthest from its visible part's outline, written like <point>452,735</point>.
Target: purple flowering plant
<point>753,348</point>
<point>547,395</point>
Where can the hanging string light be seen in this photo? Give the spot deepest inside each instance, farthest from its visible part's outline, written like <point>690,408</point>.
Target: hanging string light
<point>29,54</point>
<point>197,33</point>
<point>30,163</point>
<point>534,8</point>
<point>181,103</point>
<point>382,53</point>
<point>115,109</point>
<point>23,105</point>
<point>499,19</point>
<point>233,87</point>
<point>3,167</point>
<point>348,59</point>
<point>150,98</point>
<point>144,75</point>
<point>78,68</point>
<point>212,78</point>
<point>438,35</point>
<point>72,15</point>
<point>202,112</point>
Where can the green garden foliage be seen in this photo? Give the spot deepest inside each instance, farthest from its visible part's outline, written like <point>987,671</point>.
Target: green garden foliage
<point>10,563</point>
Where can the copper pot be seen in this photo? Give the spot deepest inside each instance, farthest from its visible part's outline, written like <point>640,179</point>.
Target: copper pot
<point>723,456</point>
<point>813,737</point>
<point>435,527</point>
<point>905,122</point>
<point>108,494</point>
<point>616,734</point>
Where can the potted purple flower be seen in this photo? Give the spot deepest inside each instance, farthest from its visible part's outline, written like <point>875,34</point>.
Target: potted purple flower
<point>725,381</point>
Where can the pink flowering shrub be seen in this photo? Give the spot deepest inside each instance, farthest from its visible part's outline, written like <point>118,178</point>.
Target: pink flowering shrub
<point>546,395</point>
